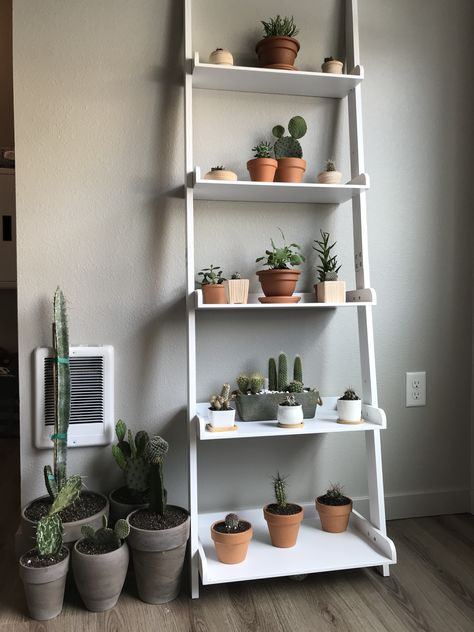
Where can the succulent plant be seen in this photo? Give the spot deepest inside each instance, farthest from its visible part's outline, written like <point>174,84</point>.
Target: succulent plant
<point>231,522</point>
<point>282,371</point>
<point>279,27</point>
<point>256,383</point>
<point>330,165</point>
<point>222,401</point>
<point>335,491</point>
<point>328,265</point>
<point>272,375</point>
<point>298,370</point>
<point>236,276</point>
<point>109,538</point>
<point>243,383</point>
<point>128,455</point>
<point>211,276</point>
<point>295,387</point>
<point>326,59</point>
<point>290,400</point>
<point>155,452</point>
<point>289,146</point>
<point>263,150</point>
<point>218,168</point>
<point>350,395</point>
<point>283,258</point>
<point>279,487</point>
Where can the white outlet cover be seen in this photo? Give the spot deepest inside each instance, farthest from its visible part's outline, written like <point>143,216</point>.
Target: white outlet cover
<point>415,388</point>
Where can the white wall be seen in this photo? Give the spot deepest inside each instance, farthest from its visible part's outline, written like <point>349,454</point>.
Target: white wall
<point>99,131</point>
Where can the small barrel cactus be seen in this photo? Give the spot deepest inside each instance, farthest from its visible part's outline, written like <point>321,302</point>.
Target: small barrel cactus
<point>128,455</point>
<point>272,375</point>
<point>330,164</point>
<point>243,383</point>
<point>289,146</point>
<point>298,370</point>
<point>263,150</point>
<point>106,537</point>
<point>295,387</point>
<point>350,394</point>
<point>231,522</point>
<point>256,383</point>
<point>282,372</point>
<point>279,487</point>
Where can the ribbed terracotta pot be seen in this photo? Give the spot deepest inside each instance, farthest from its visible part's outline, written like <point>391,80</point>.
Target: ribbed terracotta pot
<point>262,169</point>
<point>329,177</point>
<point>278,282</point>
<point>231,548</point>
<point>277,52</point>
<point>213,293</point>
<point>290,170</point>
<point>44,589</point>
<point>283,529</point>
<point>334,67</point>
<point>158,558</point>
<point>121,510</point>
<point>334,518</point>
<point>100,578</point>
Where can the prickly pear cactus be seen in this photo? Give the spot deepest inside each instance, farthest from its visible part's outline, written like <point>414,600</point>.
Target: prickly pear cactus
<point>128,455</point>
<point>105,537</point>
<point>289,146</point>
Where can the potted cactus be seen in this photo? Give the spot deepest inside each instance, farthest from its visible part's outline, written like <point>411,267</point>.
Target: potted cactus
<point>100,563</point>
<point>332,66</point>
<point>334,509</point>
<point>290,412</point>
<point>220,173</point>
<point>212,287</point>
<point>329,289</point>
<point>288,151</point>
<point>43,569</point>
<point>128,454</point>
<point>278,48</point>
<point>90,506</point>
<point>262,167</point>
<point>221,415</point>
<point>236,289</point>
<point>231,538</point>
<point>279,281</point>
<point>330,175</point>
<point>158,535</point>
<point>222,57</point>
<point>283,518</point>
<point>349,408</point>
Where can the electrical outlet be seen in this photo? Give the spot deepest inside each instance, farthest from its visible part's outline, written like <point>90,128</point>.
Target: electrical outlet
<point>416,388</point>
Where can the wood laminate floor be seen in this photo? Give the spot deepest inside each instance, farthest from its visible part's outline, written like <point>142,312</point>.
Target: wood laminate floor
<point>431,589</point>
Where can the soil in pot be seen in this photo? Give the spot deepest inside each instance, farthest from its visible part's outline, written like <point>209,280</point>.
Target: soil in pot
<point>262,169</point>
<point>334,512</point>
<point>125,500</point>
<point>283,523</point>
<point>231,548</point>
<point>290,170</point>
<point>88,504</point>
<point>277,52</point>
<point>278,283</point>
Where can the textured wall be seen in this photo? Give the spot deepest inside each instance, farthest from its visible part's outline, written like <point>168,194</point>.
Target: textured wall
<point>99,128</point>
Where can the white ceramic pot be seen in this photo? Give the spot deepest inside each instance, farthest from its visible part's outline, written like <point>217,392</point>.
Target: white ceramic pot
<point>290,415</point>
<point>349,410</point>
<point>221,418</point>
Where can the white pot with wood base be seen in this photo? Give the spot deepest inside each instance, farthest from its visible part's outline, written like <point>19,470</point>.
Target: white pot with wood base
<point>221,418</point>
<point>290,416</point>
<point>330,292</point>
<point>349,411</point>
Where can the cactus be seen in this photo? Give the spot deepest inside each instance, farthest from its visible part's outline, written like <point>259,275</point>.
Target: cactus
<point>222,401</point>
<point>256,383</point>
<point>326,59</point>
<point>231,522</point>
<point>128,455</point>
<point>331,276</point>
<point>295,387</point>
<point>335,491</point>
<point>155,453</point>
<point>106,537</point>
<point>298,370</point>
<point>272,375</point>
<point>218,168</point>
<point>330,164</point>
<point>282,372</point>
<point>350,394</point>
<point>290,400</point>
<point>263,150</point>
<point>328,265</point>
<point>243,383</point>
<point>279,486</point>
<point>289,146</point>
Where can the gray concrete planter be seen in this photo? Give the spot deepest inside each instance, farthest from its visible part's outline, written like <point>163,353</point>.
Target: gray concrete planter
<point>121,510</point>
<point>264,406</point>
<point>100,578</point>
<point>44,589</point>
<point>158,558</point>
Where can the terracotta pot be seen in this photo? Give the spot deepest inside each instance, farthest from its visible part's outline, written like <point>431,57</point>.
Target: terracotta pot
<point>231,548</point>
<point>334,67</point>
<point>220,174</point>
<point>278,282</point>
<point>237,291</point>
<point>213,293</point>
<point>262,169</point>
<point>100,578</point>
<point>290,170</point>
<point>283,529</point>
<point>221,56</point>
<point>334,518</point>
<point>44,589</point>
<point>329,177</point>
<point>158,558</point>
<point>121,510</point>
<point>330,292</point>
<point>277,52</point>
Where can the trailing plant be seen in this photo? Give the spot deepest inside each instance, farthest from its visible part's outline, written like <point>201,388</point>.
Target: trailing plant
<point>231,522</point>
<point>298,370</point>
<point>282,371</point>
<point>272,375</point>
<point>155,452</point>
<point>211,276</point>
<point>279,27</point>
<point>350,395</point>
<point>279,488</point>
<point>263,150</point>
<point>295,387</point>
<point>256,383</point>
<point>243,383</point>
<point>289,401</point>
<point>328,268</point>
<point>129,456</point>
<point>222,401</point>
<point>330,165</point>
<point>282,258</point>
<point>105,537</point>
<point>289,146</point>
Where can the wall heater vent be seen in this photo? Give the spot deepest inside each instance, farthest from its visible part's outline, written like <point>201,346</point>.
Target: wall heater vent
<point>91,419</point>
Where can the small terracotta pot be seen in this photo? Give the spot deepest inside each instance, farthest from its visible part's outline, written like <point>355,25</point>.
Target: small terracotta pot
<point>213,293</point>
<point>220,174</point>
<point>334,67</point>
<point>222,57</point>
<point>334,518</point>
<point>44,589</point>
<point>231,548</point>
<point>278,282</point>
<point>277,52</point>
<point>290,170</point>
<point>329,177</point>
<point>283,529</point>
<point>262,169</point>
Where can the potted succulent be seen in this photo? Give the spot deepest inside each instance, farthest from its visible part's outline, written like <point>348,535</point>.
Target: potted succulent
<point>262,167</point>
<point>100,563</point>
<point>278,48</point>
<point>290,412</point>
<point>221,415</point>
<point>220,173</point>
<point>334,509</point>
<point>332,66</point>
<point>236,289</point>
<point>231,538</point>
<point>288,151</point>
<point>330,176</point>
<point>349,408</point>
<point>329,289</point>
<point>279,281</point>
<point>253,403</point>
<point>222,57</point>
<point>43,569</point>
<point>283,518</point>
<point>90,506</point>
<point>158,535</point>
<point>211,283</point>
<point>128,454</point>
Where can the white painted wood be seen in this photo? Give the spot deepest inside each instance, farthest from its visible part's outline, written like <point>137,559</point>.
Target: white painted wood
<point>315,551</point>
<point>356,299</point>
<point>269,81</point>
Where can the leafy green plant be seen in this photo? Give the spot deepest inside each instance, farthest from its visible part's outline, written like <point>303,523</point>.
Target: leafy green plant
<point>279,488</point>
<point>328,268</point>
<point>106,537</point>
<point>280,27</point>
<point>155,452</point>
<point>263,150</point>
<point>283,258</point>
<point>222,401</point>
<point>128,454</point>
<point>289,146</point>
<point>350,395</point>
<point>211,276</point>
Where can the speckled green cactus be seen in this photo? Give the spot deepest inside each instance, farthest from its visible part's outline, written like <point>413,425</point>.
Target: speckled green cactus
<point>282,371</point>
<point>243,383</point>
<point>272,375</point>
<point>298,370</point>
<point>109,538</point>
<point>295,387</point>
<point>128,454</point>
<point>256,383</point>
<point>155,453</point>
<point>279,486</point>
<point>289,146</point>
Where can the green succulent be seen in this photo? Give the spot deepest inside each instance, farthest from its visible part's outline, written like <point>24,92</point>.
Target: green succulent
<point>282,258</point>
<point>328,262</point>
<point>263,150</point>
<point>279,27</point>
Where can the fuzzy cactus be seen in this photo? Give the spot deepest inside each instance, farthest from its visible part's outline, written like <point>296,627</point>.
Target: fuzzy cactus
<point>243,383</point>
<point>106,537</point>
<point>272,375</point>
<point>279,486</point>
<point>295,387</point>
<point>350,395</point>
<point>231,522</point>
<point>330,164</point>
<point>298,370</point>
<point>128,454</point>
<point>222,401</point>
<point>155,453</point>
<point>282,371</point>
<point>289,146</point>
<point>256,383</point>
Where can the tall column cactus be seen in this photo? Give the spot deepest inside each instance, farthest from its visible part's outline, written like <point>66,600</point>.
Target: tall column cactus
<point>282,372</point>
<point>155,453</point>
<point>298,370</point>
<point>272,375</point>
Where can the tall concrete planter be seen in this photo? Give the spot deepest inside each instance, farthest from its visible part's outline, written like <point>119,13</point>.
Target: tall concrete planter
<point>158,558</point>
<point>44,588</point>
